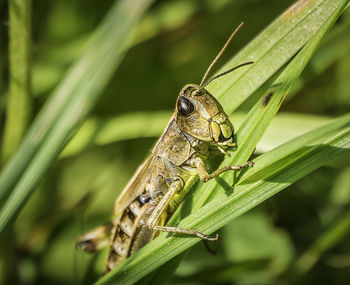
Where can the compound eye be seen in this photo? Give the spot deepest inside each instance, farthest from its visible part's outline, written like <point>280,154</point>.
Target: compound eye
<point>184,106</point>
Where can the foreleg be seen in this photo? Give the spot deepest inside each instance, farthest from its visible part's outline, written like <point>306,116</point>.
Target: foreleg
<point>205,176</point>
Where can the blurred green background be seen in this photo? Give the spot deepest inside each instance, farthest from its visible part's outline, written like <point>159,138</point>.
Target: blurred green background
<point>300,236</point>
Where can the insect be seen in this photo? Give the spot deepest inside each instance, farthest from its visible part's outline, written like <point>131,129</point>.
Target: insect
<point>198,127</point>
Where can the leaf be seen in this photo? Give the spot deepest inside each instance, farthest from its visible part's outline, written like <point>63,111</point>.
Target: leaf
<point>98,132</point>
<point>129,126</point>
<point>19,101</point>
<point>69,105</point>
<point>274,170</point>
<point>271,50</point>
<point>261,115</point>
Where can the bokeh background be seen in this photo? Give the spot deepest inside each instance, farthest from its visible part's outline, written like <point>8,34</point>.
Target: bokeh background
<point>298,236</point>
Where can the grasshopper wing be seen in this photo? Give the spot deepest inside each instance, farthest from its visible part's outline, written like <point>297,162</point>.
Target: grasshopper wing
<point>134,188</point>
<point>100,237</point>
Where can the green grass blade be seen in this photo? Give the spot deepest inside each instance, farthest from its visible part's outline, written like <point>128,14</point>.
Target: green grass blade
<point>99,132</point>
<point>273,171</point>
<point>309,152</point>
<point>281,37</point>
<point>270,50</point>
<point>261,115</point>
<point>69,106</point>
<point>255,124</point>
<point>19,102</point>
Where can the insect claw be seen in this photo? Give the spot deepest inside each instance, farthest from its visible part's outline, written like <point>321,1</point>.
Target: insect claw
<point>232,144</point>
<point>221,149</point>
<point>248,163</point>
<point>85,245</point>
<point>209,238</point>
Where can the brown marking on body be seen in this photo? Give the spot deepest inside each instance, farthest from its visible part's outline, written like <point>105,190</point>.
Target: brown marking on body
<point>130,214</point>
<point>126,232</point>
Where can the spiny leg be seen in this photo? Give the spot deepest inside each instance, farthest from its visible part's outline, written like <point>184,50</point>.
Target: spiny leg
<point>175,187</point>
<point>186,232</point>
<point>205,176</point>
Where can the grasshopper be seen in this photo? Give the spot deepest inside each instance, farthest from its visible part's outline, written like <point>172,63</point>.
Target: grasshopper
<point>198,127</point>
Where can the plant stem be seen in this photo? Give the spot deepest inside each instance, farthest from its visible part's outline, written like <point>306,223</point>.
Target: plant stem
<point>19,100</point>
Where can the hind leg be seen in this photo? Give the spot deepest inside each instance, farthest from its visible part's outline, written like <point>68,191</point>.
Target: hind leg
<point>95,239</point>
<point>175,187</point>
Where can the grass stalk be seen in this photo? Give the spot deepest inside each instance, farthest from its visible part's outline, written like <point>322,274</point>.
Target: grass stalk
<point>19,105</point>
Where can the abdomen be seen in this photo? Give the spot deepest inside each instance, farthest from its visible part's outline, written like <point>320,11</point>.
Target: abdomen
<point>129,234</point>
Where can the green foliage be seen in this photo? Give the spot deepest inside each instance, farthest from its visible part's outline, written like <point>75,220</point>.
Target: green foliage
<point>299,236</point>
<point>73,99</point>
<point>19,100</point>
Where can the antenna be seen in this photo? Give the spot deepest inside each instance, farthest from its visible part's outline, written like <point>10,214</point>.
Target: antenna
<point>219,55</point>
<point>227,71</point>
